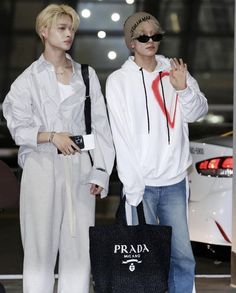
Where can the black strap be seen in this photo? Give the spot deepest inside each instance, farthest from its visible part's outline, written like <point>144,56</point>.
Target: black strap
<point>121,213</point>
<point>87,103</point>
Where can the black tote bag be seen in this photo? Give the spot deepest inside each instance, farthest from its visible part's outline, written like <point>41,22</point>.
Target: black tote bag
<point>127,259</point>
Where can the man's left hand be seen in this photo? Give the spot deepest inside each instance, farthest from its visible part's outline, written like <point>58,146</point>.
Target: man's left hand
<point>178,74</point>
<point>95,189</point>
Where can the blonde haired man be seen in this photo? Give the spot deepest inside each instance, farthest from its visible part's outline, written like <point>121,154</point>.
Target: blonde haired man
<point>45,106</point>
<point>49,16</point>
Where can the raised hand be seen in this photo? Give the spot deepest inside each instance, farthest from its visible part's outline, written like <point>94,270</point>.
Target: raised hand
<point>178,74</point>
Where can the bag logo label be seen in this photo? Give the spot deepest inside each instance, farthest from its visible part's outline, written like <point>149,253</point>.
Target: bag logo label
<point>131,254</point>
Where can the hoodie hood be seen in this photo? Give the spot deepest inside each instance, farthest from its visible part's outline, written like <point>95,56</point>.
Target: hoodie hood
<point>163,64</point>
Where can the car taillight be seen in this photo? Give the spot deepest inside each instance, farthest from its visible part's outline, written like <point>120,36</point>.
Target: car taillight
<point>216,167</point>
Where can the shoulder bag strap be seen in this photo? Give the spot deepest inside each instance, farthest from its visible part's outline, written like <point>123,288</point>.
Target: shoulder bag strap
<point>87,103</point>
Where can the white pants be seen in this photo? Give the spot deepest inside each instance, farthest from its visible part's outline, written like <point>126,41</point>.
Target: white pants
<point>45,216</point>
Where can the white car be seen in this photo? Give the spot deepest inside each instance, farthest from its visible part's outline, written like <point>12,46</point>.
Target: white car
<point>210,180</point>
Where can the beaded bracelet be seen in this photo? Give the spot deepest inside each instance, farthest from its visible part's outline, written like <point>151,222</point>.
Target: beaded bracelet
<point>51,136</point>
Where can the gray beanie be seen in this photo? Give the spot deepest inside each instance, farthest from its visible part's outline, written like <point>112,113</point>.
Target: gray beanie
<point>133,21</point>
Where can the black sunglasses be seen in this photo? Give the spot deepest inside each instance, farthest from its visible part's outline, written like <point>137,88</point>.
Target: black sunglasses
<point>145,39</point>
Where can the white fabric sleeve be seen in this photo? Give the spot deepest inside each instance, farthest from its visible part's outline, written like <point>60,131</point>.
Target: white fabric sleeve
<point>17,110</point>
<point>103,154</point>
<point>128,166</point>
<point>192,101</point>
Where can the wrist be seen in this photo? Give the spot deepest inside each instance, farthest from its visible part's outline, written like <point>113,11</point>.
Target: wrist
<point>51,136</point>
<point>181,89</point>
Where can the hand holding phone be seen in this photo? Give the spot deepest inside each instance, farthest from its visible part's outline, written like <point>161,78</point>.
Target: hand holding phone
<point>84,142</point>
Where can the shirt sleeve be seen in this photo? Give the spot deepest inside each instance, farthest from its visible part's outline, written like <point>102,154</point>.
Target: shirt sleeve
<point>192,101</point>
<point>17,110</point>
<point>103,154</point>
<point>128,166</point>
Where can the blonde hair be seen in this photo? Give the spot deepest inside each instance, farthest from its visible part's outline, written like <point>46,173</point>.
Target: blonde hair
<point>140,30</point>
<point>49,16</point>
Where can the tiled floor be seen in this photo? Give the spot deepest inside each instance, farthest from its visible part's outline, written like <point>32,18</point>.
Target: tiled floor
<point>203,285</point>
<point>214,285</point>
<point>15,286</point>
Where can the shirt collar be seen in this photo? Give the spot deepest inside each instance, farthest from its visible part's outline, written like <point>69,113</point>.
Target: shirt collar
<point>43,63</point>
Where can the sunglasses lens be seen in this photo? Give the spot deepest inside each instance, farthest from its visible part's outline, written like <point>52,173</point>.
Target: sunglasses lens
<point>143,39</point>
<point>157,37</point>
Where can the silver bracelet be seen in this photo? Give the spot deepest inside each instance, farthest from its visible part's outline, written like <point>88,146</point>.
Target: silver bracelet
<point>51,136</point>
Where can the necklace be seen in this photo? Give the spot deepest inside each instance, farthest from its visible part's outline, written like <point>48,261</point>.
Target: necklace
<point>62,72</point>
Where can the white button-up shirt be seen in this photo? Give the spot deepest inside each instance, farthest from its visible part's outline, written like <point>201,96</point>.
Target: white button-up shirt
<point>34,105</point>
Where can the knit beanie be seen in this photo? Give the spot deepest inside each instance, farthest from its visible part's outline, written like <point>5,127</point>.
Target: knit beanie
<point>133,21</point>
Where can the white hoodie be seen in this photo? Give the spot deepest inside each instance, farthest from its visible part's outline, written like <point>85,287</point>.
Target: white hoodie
<point>151,133</point>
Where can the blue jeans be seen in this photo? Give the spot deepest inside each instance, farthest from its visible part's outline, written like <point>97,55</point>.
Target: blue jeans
<point>167,205</point>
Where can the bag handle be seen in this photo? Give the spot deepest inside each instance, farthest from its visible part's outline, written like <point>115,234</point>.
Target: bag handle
<point>121,214</point>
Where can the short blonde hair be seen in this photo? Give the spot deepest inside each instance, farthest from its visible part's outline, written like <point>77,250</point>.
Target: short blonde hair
<point>50,14</point>
<point>140,30</point>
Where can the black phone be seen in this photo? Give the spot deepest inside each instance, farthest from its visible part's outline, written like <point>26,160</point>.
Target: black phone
<point>78,140</point>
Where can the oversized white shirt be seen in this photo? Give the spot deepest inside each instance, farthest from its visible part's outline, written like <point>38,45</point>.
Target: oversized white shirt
<point>34,105</point>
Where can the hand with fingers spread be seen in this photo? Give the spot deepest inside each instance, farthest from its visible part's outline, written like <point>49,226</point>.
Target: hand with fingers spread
<point>178,74</point>
<point>64,144</point>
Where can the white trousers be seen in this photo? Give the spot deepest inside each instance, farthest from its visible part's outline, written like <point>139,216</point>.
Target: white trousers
<point>46,219</point>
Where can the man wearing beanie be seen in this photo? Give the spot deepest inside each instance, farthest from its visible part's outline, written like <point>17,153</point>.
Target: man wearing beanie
<point>151,99</point>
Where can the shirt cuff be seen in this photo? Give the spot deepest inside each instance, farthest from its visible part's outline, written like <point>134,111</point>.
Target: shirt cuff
<point>186,95</point>
<point>184,92</point>
<point>100,178</point>
<point>27,137</point>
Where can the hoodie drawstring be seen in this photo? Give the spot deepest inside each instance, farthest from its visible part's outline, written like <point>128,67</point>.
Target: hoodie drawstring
<point>164,100</point>
<point>145,91</point>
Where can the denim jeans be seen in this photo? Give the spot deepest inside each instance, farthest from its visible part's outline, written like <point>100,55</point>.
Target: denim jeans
<point>167,205</point>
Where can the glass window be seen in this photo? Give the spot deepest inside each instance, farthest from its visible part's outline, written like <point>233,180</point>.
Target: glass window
<point>214,54</point>
<point>101,13</point>
<point>95,51</point>
<point>23,51</point>
<point>216,16</point>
